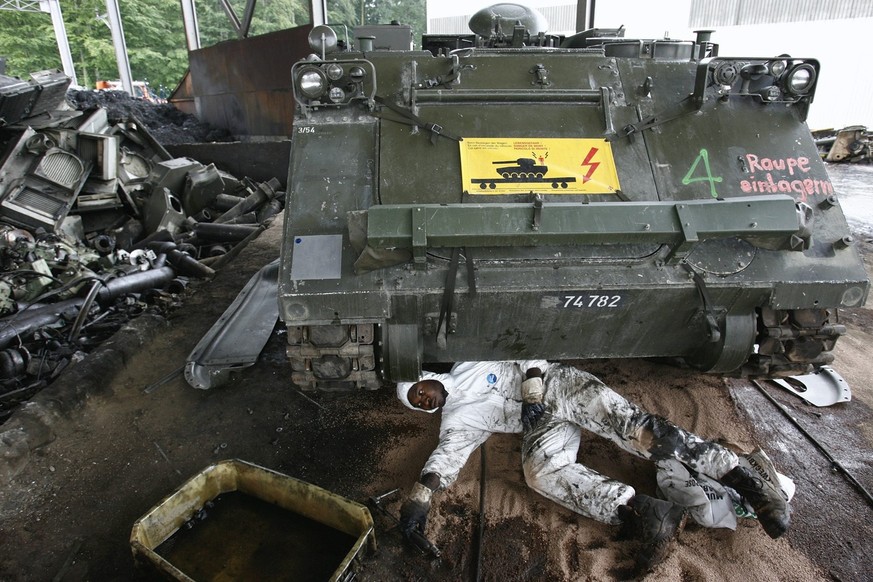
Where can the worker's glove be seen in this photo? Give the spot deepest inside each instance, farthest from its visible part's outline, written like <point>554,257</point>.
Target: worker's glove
<point>532,407</point>
<point>532,388</point>
<point>413,513</point>
<point>531,415</point>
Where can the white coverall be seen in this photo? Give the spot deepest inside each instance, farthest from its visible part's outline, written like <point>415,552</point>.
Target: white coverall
<point>485,398</point>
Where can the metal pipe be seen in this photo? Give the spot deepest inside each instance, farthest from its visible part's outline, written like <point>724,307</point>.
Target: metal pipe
<point>237,249</point>
<point>247,218</point>
<point>226,201</point>
<point>185,263</point>
<point>135,282</point>
<point>192,28</point>
<point>261,194</point>
<point>835,465</point>
<point>120,46</point>
<point>223,232</point>
<point>26,322</point>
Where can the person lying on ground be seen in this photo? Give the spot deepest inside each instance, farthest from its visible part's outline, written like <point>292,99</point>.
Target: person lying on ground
<point>551,404</point>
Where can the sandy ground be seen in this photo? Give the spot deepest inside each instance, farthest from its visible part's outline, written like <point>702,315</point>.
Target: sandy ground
<point>68,513</point>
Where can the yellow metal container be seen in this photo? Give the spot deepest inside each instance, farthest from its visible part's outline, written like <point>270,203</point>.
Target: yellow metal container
<point>287,494</point>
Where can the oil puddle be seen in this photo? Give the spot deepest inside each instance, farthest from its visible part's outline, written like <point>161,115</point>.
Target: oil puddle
<point>239,537</point>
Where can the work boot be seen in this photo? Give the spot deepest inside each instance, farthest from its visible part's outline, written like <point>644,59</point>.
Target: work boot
<point>655,523</point>
<point>759,485</point>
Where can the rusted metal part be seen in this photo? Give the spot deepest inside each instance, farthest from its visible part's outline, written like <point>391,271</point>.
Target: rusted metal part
<point>254,96</point>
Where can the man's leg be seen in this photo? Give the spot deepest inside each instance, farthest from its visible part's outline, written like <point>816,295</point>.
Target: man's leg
<point>550,468</point>
<point>586,401</point>
<point>549,452</point>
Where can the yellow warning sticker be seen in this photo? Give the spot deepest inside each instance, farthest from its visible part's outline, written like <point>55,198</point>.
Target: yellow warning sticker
<point>544,165</point>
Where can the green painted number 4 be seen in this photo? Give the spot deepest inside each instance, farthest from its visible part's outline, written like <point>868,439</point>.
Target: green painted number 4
<point>688,179</point>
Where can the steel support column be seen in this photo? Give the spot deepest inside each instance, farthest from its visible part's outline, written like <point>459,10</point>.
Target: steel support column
<point>61,37</point>
<point>120,45</point>
<point>189,20</point>
<point>318,12</point>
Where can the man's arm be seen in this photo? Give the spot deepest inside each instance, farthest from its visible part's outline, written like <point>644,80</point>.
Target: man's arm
<point>452,452</point>
<point>541,365</point>
<point>440,471</point>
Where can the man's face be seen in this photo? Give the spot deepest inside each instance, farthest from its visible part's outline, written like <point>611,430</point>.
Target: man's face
<point>427,394</point>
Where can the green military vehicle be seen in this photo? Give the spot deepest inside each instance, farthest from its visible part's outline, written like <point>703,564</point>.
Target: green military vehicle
<point>691,217</point>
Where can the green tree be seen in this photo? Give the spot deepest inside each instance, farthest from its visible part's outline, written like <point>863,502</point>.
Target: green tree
<point>155,34</point>
<point>27,40</point>
<point>152,28</point>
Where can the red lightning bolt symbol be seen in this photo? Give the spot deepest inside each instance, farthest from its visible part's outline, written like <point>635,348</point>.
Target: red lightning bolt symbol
<point>588,162</point>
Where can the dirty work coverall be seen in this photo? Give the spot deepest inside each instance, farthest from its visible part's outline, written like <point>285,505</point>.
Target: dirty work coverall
<point>485,398</point>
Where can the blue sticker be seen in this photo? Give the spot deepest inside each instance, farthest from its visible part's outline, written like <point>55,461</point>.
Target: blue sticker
<point>298,240</point>
<point>492,378</point>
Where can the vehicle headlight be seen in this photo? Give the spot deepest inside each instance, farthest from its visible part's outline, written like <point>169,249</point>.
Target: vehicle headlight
<point>357,74</point>
<point>800,79</point>
<point>777,68</point>
<point>312,83</point>
<point>334,72</point>
<point>336,94</point>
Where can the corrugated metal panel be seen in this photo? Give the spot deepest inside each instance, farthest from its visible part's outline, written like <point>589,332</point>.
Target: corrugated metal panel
<point>448,25</point>
<point>561,18</point>
<point>709,13</point>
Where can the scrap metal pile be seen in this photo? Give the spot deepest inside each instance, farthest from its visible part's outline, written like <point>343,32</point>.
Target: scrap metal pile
<point>850,144</point>
<point>98,223</point>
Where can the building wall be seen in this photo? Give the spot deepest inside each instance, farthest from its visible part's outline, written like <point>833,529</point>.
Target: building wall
<point>833,32</point>
<point>751,12</point>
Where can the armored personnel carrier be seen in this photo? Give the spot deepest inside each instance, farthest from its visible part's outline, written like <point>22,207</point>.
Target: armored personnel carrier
<point>661,201</point>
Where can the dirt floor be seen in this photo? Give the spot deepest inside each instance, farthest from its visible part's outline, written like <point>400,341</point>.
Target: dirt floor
<point>67,508</point>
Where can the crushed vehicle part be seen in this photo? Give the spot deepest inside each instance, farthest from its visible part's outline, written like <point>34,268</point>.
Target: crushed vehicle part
<point>40,183</point>
<point>644,213</point>
<point>849,144</point>
<point>163,211</point>
<point>21,100</point>
<point>236,340</point>
<point>201,188</point>
<point>825,387</point>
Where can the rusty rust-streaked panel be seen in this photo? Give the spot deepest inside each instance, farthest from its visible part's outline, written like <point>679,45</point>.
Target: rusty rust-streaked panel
<point>244,85</point>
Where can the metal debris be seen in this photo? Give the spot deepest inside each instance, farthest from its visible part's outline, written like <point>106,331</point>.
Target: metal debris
<point>850,144</point>
<point>98,223</point>
<point>822,388</point>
